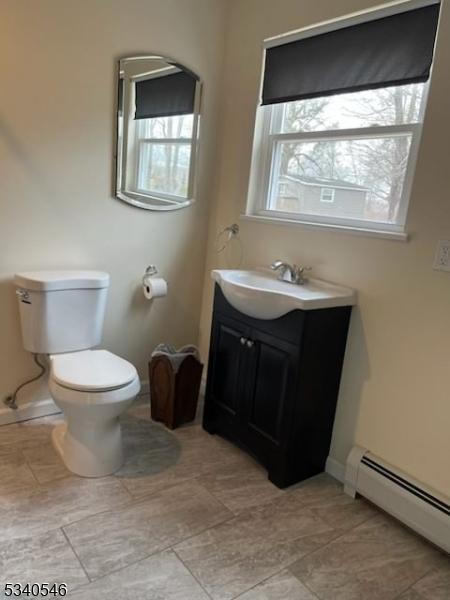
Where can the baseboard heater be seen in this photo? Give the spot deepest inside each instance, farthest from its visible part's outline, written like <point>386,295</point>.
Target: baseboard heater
<point>399,495</point>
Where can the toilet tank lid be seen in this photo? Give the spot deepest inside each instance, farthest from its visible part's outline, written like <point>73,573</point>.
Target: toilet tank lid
<point>61,280</point>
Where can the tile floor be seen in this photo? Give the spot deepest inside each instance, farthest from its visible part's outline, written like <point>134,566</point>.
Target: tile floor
<point>191,517</point>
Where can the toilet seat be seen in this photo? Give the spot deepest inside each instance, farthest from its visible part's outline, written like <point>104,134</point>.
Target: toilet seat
<point>89,400</point>
<point>92,371</point>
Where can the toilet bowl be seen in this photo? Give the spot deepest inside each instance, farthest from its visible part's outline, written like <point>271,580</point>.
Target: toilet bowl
<point>92,388</point>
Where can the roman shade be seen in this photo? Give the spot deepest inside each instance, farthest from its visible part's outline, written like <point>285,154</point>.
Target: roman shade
<point>165,96</point>
<point>393,50</point>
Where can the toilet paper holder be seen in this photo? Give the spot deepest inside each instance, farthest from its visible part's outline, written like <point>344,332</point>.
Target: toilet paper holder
<point>151,270</point>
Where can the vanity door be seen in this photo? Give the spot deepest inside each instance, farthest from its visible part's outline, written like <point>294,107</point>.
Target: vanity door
<point>226,375</point>
<point>268,402</point>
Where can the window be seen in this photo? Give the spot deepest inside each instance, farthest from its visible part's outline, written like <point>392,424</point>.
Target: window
<point>282,189</point>
<point>164,148</point>
<point>327,195</point>
<point>358,143</point>
<point>343,159</point>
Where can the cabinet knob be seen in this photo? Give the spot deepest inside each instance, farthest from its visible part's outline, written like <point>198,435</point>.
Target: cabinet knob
<point>250,344</point>
<point>242,340</point>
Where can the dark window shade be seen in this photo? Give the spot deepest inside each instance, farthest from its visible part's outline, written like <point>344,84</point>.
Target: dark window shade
<point>165,96</point>
<point>394,50</point>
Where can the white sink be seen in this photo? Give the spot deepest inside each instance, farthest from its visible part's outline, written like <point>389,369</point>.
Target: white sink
<point>261,295</point>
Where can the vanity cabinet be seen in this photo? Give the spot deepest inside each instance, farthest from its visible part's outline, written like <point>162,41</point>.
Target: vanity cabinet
<point>273,384</point>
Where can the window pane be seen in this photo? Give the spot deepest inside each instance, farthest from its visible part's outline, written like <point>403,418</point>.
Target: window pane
<point>164,168</point>
<point>165,127</point>
<point>356,179</point>
<point>388,106</point>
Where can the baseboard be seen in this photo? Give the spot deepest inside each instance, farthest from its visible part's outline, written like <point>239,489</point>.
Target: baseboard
<point>399,494</point>
<point>30,410</point>
<point>145,387</point>
<point>335,469</point>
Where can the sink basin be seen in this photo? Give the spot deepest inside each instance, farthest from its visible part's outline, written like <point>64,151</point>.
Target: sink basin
<point>261,295</point>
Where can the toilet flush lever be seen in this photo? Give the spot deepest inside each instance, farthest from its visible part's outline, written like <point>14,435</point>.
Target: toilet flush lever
<point>23,295</point>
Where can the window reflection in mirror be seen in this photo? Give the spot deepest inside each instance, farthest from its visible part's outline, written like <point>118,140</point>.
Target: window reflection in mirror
<point>157,133</point>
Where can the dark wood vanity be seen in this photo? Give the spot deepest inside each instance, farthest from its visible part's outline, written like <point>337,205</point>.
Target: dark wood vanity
<point>273,385</point>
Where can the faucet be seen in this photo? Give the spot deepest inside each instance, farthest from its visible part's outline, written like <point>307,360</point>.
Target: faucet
<point>290,273</point>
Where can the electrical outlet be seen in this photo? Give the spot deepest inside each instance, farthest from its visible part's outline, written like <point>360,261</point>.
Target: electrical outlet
<point>442,258</point>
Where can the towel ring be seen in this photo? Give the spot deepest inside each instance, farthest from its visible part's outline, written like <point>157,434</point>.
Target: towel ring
<point>231,231</point>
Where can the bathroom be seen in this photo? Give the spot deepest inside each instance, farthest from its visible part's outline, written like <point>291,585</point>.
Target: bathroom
<point>195,516</point>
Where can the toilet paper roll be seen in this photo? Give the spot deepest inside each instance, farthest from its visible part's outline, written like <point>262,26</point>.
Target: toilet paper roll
<point>154,287</point>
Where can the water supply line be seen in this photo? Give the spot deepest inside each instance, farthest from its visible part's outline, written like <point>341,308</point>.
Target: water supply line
<point>10,401</point>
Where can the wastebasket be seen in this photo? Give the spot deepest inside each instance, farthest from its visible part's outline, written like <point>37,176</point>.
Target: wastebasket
<point>175,377</point>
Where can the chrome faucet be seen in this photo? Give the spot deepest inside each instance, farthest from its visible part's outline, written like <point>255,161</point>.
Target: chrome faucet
<point>290,273</point>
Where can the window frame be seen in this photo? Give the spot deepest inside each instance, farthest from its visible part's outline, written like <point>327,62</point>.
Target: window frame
<point>140,142</point>
<point>263,154</point>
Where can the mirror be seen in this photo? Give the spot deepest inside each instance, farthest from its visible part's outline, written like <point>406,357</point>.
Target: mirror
<point>158,113</point>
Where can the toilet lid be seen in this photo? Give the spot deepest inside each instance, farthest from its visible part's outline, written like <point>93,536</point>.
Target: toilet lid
<point>92,370</point>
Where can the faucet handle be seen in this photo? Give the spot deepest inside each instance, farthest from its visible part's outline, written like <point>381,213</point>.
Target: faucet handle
<point>300,278</point>
<point>302,269</point>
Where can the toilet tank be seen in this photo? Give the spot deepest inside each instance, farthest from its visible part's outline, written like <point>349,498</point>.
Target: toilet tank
<point>61,311</point>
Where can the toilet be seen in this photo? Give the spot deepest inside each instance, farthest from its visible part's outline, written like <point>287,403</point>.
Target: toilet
<point>62,314</point>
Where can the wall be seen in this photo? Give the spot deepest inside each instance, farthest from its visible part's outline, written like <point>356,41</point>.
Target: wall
<point>58,62</point>
<point>56,209</point>
<point>395,389</point>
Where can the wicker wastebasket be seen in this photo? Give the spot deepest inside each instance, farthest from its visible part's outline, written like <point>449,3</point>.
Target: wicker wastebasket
<point>175,378</point>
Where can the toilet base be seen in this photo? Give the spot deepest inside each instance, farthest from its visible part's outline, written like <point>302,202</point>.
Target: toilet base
<point>90,441</point>
<point>90,452</point>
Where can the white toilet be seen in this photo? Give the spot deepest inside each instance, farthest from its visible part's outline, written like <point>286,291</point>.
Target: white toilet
<point>62,315</point>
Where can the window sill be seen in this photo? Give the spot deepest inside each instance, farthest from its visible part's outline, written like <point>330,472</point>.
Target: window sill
<point>386,234</point>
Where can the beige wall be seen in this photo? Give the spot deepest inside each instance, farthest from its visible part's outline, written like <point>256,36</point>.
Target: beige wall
<point>57,61</point>
<point>56,210</point>
<point>395,396</point>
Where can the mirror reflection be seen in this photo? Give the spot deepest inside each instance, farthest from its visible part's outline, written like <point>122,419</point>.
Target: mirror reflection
<point>157,133</point>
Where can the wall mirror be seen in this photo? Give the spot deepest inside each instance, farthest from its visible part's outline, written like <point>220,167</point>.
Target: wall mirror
<point>158,113</point>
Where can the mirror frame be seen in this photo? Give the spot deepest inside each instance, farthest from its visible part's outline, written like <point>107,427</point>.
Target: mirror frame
<point>157,202</point>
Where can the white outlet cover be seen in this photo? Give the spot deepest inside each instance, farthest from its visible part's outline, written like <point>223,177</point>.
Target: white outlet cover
<point>442,258</point>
